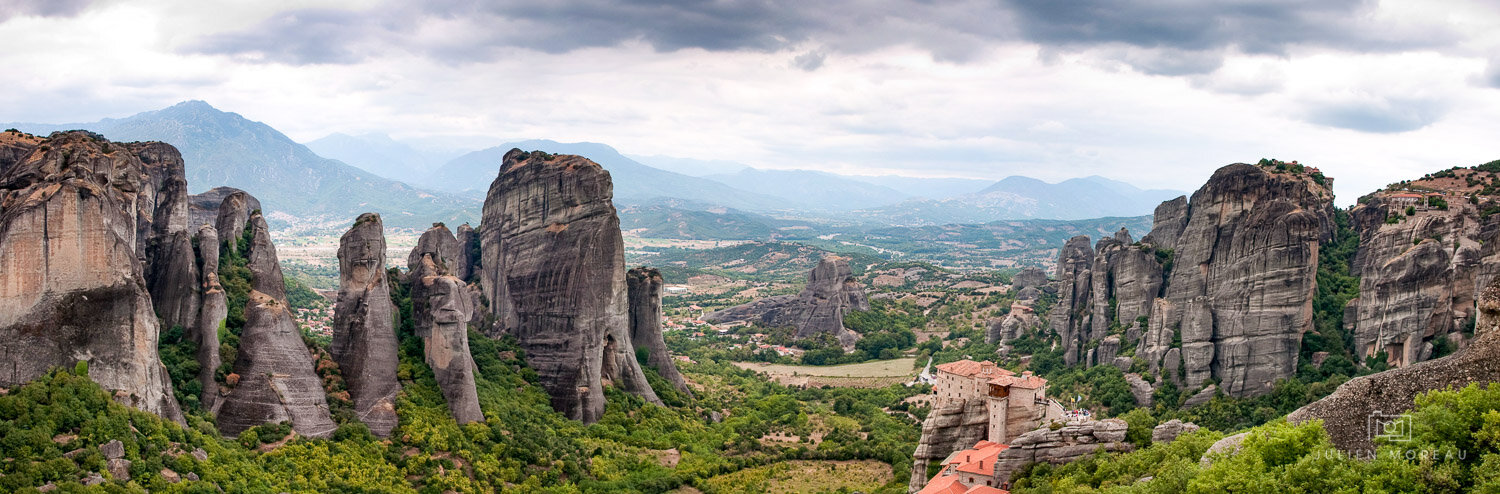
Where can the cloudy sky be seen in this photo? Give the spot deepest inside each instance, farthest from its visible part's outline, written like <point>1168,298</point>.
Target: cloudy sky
<point>1155,92</point>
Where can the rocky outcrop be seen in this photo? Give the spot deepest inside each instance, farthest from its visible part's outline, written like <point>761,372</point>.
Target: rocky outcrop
<point>73,209</point>
<point>441,245</point>
<point>211,314</point>
<point>1028,278</point>
<point>468,253</point>
<point>553,269</point>
<point>1227,446</point>
<point>276,379</point>
<point>1418,274</point>
<point>831,292</point>
<point>1221,289</point>
<point>1170,430</point>
<point>644,287</point>
<point>1070,316</point>
<point>364,337</point>
<point>1020,321</point>
<point>1140,390</point>
<point>234,215</point>
<point>1347,413</point>
<point>1071,442</point>
<point>951,427</point>
<point>441,309</point>
<point>203,209</point>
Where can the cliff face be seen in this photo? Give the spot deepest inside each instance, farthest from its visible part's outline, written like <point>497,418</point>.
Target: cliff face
<point>1419,272</point>
<point>72,286</point>
<point>364,336</point>
<point>276,378</point>
<point>831,292</point>
<point>1222,288</point>
<point>644,286</point>
<point>553,269</point>
<point>1346,413</point>
<point>952,427</point>
<point>468,253</point>
<point>1071,442</point>
<point>442,308</point>
<point>211,313</point>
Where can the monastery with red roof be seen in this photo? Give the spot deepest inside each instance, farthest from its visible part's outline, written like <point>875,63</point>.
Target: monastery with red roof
<point>1016,404</point>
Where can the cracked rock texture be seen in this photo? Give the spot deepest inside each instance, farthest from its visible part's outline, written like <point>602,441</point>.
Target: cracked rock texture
<point>364,335</point>
<point>553,270</point>
<point>442,308</point>
<point>77,214</point>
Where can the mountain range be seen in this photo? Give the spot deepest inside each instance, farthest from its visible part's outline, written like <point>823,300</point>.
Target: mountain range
<point>329,180</point>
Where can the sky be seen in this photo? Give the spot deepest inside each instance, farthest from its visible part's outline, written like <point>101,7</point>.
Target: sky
<point>1158,93</point>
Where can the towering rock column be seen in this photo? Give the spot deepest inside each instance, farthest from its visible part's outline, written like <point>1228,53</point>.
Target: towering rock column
<point>442,308</point>
<point>72,287</point>
<point>468,253</point>
<point>364,335</point>
<point>554,273</point>
<point>644,286</point>
<point>276,378</point>
<point>211,313</point>
<point>1074,278</point>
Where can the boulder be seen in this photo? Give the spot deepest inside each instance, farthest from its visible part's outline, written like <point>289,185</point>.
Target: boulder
<point>112,450</point>
<point>1202,396</point>
<point>364,335</point>
<point>1223,447</point>
<point>1140,390</point>
<point>1073,441</point>
<point>73,209</point>
<point>277,382</point>
<point>1170,430</point>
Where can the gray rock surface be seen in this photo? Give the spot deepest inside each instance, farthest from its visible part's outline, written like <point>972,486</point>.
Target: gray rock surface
<point>442,245</point>
<point>468,252</point>
<point>1346,413</point>
<point>952,427</point>
<point>442,308</point>
<point>1170,219</point>
<point>645,290</point>
<point>364,336</point>
<point>1170,430</point>
<point>211,313</point>
<point>276,378</point>
<point>553,269</point>
<point>1071,442</point>
<point>203,209</point>
<point>831,292</point>
<point>72,284</point>
<point>1227,446</point>
<point>1029,277</point>
<point>1140,390</point>
<point>1201,397</point>
<point>234,215</point>
<point>1070,316</point>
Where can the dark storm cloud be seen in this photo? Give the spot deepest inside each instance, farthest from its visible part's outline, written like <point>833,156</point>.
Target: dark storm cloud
<point>41,8</point>
<point>1378,115</point>
<point>1168,37</point>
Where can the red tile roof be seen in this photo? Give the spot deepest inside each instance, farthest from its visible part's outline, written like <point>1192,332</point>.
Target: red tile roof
<point>984,489</point>
<point>1023,382</point>
<point>944,485</point>
<point>970,368</point>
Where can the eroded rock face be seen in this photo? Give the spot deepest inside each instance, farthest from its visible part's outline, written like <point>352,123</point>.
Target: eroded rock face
<point>1071,442</point>
<point>211,313</point>
<point>831,292</point>
<point>364,335</point>
<point>440,243</point>
<point>233,216</point>
<point>1346,413</point>
<point>204,208</point>
<point>276,378</point>
<point>952,427</point>
<point>72,284</point>
<point>468,253</point>
<point>1237,298</point>
<point>442,308</point>
<point>554,273</point>
<point>644,286</point>
<point>1170,430</point>
<point>1069,317</point>
<point>1418,276</point>
<point>1028,278</point>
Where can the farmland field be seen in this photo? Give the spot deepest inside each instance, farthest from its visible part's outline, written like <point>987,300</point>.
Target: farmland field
<point>803,476</point>
<point>877,374</point>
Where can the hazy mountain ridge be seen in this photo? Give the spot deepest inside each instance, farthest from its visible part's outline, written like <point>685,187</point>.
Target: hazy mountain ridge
<point>380,154</point>
<point>226,149</point>
<point>1018,197</point>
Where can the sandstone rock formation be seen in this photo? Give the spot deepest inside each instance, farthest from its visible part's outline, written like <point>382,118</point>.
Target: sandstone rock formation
<point>830,293</point>
<point>1021,320</point>
<point>1346,413</point>
<point>952,427</point>
<point>1418,273</point>
<point>212,312</point>
<point>644,287</point>
<point>1028,278</point>
<point>203,209</point>
<point>1071,442</point>
<point>553,269</point>
<point>364,335</point>
<point>276,378</point>
<point>468,253</point>
<point>76,213</point>
<point>442,308</point>
<point>233,217</point>
<point>1170,430</point>
<point>443,247</point>
<point>1221,289</point>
